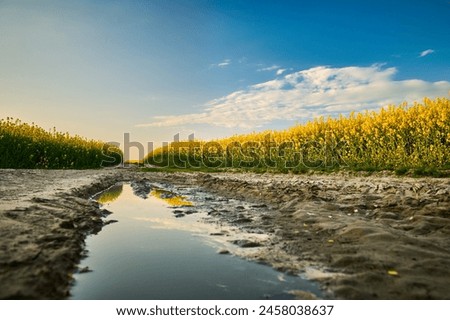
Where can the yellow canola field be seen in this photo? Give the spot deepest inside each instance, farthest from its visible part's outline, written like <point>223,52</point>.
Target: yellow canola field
<point>395,138</point>
<point>28,146</point>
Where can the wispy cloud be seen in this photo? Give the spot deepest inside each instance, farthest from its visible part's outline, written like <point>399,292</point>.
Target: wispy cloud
<point>222,64</point>
<point>306,94</point>
<point>426,52</point>
<point>271,68</point>
<point>243,60</point>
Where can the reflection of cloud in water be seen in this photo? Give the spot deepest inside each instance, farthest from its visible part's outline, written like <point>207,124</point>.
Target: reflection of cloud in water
<point>176,224</point>
<point>223,286</point>
<point>281,277</point>
<point>110,194</point>
<point>204,230</point>
<point>170,198</point>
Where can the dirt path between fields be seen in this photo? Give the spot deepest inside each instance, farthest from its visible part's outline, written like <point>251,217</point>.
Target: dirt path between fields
<point>360,237</point>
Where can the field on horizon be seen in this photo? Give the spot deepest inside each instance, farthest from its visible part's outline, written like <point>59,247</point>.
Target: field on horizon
<point>398,138</point>
<point>401,138</point>
<point>28,146</point>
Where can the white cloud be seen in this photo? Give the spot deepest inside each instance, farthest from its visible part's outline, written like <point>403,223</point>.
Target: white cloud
<point>426,52</point>
<point>280,72</point>
<point>271,68</point>
<point>222,64</point>
<point>306,94</point>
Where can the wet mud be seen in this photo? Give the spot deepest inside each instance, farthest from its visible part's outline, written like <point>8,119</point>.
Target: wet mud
<point>376,237</point>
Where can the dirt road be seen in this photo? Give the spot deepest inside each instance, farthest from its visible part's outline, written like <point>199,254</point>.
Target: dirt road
<point>376,237</point>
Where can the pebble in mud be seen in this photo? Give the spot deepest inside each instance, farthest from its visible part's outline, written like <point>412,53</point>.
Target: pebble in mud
<point>213,213</point>
<point>84,270</point>
<point>217,234</point>
<point>246,243</point>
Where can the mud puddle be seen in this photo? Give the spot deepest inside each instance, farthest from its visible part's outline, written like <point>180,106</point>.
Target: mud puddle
<point>158,246</point>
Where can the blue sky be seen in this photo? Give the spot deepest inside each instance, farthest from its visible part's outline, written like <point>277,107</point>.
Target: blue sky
<point>214,68</point>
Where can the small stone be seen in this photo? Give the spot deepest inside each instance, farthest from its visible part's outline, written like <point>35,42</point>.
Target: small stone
<point>246,243</point>
<point>84,270</point>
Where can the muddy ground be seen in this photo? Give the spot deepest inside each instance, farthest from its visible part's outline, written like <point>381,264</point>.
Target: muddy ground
<point>375,237</point>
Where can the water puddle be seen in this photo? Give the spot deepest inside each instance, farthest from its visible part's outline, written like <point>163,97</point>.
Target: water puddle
<point>159,249</point>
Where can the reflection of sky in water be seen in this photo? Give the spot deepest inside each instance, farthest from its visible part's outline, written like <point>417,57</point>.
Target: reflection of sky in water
<point>151,254</point>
